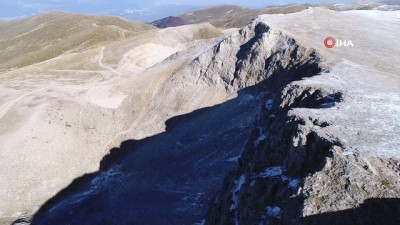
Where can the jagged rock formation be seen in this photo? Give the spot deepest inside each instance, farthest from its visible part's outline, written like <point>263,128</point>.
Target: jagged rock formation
<point>303,164</point>
<point>291,169</point>
<point>314,152</point>
<point>235,64</point>
<point>255,54</point>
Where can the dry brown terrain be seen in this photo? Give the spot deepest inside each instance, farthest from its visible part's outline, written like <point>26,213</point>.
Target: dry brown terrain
<point>31,40</point>
<point>84,92</point>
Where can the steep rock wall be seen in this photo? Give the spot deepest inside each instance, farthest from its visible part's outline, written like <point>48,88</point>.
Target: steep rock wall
<point>293,172</point>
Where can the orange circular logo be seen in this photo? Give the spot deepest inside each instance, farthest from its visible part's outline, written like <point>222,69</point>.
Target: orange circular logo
<point>329,42</point>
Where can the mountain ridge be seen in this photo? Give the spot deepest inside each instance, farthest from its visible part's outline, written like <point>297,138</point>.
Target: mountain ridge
<point>57,32</point>
<point>233,16</point>
<point>198,125</point>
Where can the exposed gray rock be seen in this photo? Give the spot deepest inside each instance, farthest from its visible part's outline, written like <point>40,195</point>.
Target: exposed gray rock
<point>253,54</point>
<point>298,170</point>
<point>298,166</point>
<point>169,180</point>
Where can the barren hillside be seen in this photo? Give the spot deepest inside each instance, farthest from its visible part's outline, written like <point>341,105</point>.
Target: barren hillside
<point>60,116</point>
<point>197,125</point>
<point>28,41</point>
<point>316,152</point>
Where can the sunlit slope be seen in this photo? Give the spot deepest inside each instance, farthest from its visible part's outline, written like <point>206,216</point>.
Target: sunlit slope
<point>232,16</point>
<point>42,37</point>
<point>58,118</point>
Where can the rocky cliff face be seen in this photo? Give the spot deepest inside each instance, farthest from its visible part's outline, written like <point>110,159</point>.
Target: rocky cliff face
<point>254,54</point>
<point>194,153</point>
<point>292,170</point>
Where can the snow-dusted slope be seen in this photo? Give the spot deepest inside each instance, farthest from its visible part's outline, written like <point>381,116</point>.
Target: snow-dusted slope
<point>334,137</point>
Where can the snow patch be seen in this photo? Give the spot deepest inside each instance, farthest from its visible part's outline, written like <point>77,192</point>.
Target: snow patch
<point>202,222</point>
<point>277,172</point>
<point>273,212</point>
<point>233,159</point>
<point>269,104</point>
<point>100,181</point>
<point>287,46</point>
<point>347,153</point>
<point>294,184</point>
<point>235,198</point>
<point>104,178</point>
<point>260,139</point>
<point>272,172</point>
<point>236,189</point>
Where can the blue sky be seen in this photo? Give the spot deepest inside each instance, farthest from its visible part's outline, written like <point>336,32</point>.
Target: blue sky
<point>140,10</point>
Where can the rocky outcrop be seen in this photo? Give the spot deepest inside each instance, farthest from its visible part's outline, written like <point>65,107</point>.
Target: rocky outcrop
<point>292,170</point>
<point>254,54</point>
<point>168,178</point>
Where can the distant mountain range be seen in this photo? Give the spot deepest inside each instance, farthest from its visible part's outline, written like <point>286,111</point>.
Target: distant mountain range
<point>170,21</point>
<point>230,16</point>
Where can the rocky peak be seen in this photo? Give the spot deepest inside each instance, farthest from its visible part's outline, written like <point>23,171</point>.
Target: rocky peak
<point>253,54</point>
